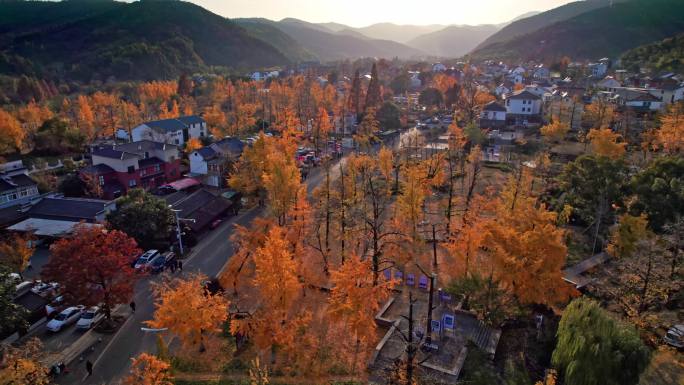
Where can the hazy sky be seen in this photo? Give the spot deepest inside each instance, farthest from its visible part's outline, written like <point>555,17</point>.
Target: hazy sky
<point>359,13</point>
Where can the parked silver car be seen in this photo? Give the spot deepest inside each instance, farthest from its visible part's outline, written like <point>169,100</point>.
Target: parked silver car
<point>675,336</point>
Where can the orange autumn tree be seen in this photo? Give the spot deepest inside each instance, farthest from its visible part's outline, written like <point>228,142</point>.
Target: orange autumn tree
<point>32,115</point>
<point>16,252</point>
<point>188,310</point>
<point>23,365</point>
<point>193,144</point>
<point>85,117</point>
<point>353,303</point>
<point>527,247</point>
<point>386,162</point>
<point>555,132</point>
<point>670,136</point>
<point>410,202</point>
<point>250,169</point>
<point>282,179</point>
<point>147,369</point>
<point>278,313</point>
<point>606,143</point>
<point>216,120</point>
<point>11,133</point>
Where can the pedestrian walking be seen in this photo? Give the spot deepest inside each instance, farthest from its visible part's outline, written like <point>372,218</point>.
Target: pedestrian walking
<point>89,368</point>
<point>180,265</point>
<point>132,305</point>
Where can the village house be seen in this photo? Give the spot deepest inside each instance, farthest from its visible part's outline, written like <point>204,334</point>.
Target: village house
<point>541,73</point>
<point>55,216</point>
<point>144,164</point>
<point>211,162</point>
<point>638,99</point>
<point>504,88</point>
<point>523,107</point>
<point>599,69</point>
<point>493,115</point>
<point>438,67</point>
<point>16,187</point>
<point>608,84</point>
<point>172,131</point>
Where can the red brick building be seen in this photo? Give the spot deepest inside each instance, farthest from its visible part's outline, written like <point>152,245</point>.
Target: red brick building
<point>144,164</point>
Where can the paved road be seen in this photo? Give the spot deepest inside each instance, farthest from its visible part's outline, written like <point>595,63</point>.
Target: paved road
<point>208,257</point>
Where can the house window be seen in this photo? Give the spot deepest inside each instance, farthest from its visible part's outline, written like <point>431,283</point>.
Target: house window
<point>201,134</point>
<point>172,158</point>
<point>13,196</point>
<point>101,180</point>
<point>156,168</point>
<point>177,141</point>
<point>132,183</point>
<point>143,172</point>
<point>24,193</point>
<point>147,154</point>
<point>131,169</point>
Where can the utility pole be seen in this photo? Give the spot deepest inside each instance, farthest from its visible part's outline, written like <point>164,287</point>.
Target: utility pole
<point>430,308</point>
<point>179,233</point>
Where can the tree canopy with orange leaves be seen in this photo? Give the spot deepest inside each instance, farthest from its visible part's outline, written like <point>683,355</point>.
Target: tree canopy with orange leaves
<point>606,143</point>
<point>186,308</point>
<point>147,369</point>
<point>555,132</point>
<point>527,247</point>
<point>11,133</point>
<point>354,300</point>
<point>274,320</point>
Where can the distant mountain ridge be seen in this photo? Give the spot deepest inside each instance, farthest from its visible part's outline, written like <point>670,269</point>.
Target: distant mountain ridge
<point>129,41</point>
<point>606,31</point>
<point>453,41</point>
<point>329,45</point>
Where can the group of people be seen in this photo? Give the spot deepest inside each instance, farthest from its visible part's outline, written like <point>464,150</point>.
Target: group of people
<point>174,264</point>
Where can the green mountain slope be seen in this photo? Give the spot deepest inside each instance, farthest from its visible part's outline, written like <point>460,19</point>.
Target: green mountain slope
<point>665,55</point>
<point>603,32</point>
<point>267,31</point>
<point>525,25</point>
<point>453,41</point>
<point>141,40</point>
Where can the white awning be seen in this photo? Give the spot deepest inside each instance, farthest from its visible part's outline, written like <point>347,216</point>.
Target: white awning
<point>48,227</point>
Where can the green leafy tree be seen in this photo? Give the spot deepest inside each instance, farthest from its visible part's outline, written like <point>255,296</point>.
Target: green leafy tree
<point>12,316</point>
<point>659,191</point>
<point>373,95</point>
<point>389,116</point>
<point>484,296</point>
<point>144,217</point>
<point>400,84</point>
<point>595,349</point>
<point>430,97</point>
<point>55,137</point>
<point>592,186</point>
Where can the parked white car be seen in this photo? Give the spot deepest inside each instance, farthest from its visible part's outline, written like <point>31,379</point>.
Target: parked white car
<point>43,288</point>
<point>145,259</point>
<point>65,318</point>
<point>89,318</point>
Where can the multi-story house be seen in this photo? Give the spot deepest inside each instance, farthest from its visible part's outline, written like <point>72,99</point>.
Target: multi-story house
<point>524,107</point>
<point>172,131</point>
<point>210,162</point>
<point>16,187</point>
<point>493,115</point>
<point>144,164</point>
